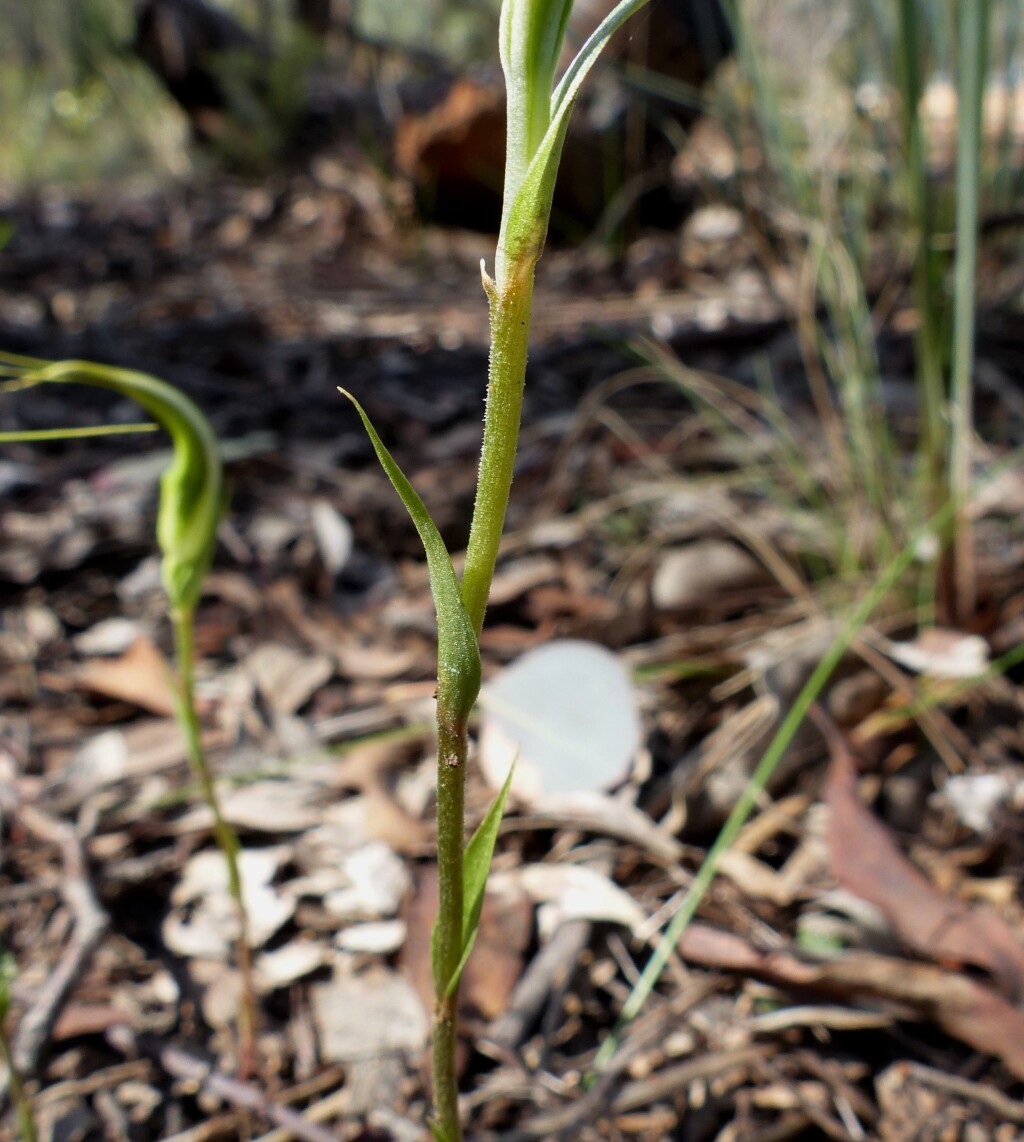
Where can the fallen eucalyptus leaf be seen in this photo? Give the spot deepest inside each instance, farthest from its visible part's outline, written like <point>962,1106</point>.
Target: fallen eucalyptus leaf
<point>377,937</point>
<point>566,715</point>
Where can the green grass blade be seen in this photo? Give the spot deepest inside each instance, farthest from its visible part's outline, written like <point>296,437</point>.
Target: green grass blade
<point>973,36</point>
<point>759,779</point>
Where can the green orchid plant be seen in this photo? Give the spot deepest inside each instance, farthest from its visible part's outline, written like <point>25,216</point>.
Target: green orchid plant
<point>532,33</point>
<point>192,501</point>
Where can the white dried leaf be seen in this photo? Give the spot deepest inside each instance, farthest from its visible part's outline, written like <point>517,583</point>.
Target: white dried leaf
<point>287,678</point>
<point>942,653</point>
<point>714,223</point>
<point>687,576</point>
<point>333,535</point>
<point>112,636</point>
<point>355,661</point>
<point>368,1015</point>
<point>102,760</point>
<point>576,891</point>
<point>285,965</point>
<point>608,815</point>
<point>377,883</point>
<point>378,937</point>
<point>270,533</point>
<point>566,713</point>
<point>975,797</point>
<point>273,806</point>
<point>222,997</point>
<point>41,625</point>
<point>342,830</point>
<point>515,580</point>
<point>203,921</point>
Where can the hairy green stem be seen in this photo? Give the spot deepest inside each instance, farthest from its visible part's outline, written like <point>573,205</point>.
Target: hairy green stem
<point>510,331</point>
<point>530,40</point>
<point>453,744</point>
<point>183,622</point>
<point>510,302</point>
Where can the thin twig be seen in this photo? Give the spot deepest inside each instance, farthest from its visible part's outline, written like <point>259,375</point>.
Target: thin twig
<point>180,1064</point>
<point>91,923</point>
<point>559,955</point>
<point>333,1106</point>
<point>1008,1109</point>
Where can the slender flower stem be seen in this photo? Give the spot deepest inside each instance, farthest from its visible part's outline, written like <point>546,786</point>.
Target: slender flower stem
<point>183,622</point>
<point>510,331</point>
<point>38,435</point>
<point>511,301</point>
<point>530,38</point>
<point>453,744</point>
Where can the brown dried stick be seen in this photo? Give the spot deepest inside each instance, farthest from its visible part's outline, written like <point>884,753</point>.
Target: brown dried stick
<point>37,1023</point>
<point>555,961</point>
<point>241,1095</point>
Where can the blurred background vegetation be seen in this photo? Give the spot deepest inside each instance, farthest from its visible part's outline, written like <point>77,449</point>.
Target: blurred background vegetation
<point>79,107</point>
<point>827,138</point>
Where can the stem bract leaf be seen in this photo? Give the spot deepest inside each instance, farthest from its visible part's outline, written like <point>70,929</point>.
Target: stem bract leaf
<point>458,654</point>
<point>476,864</point>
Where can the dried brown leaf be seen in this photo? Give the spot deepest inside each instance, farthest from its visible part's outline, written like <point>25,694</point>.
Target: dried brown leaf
<point>961,1006</point>
<point>139,676</point>
<point>866,860</point>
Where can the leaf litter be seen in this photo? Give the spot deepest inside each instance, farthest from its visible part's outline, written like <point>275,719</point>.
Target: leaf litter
<point>845,973</point>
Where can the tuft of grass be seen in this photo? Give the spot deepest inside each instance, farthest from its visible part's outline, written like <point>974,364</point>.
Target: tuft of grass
<point>859,206</point>
<point>973,35</point>
<point>905,491</point>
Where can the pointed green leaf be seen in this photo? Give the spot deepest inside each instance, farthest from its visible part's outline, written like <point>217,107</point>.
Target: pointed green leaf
<point>192,494</point>
<point>458,654</point>
<point>570,83</point>
<point>476,864</point>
